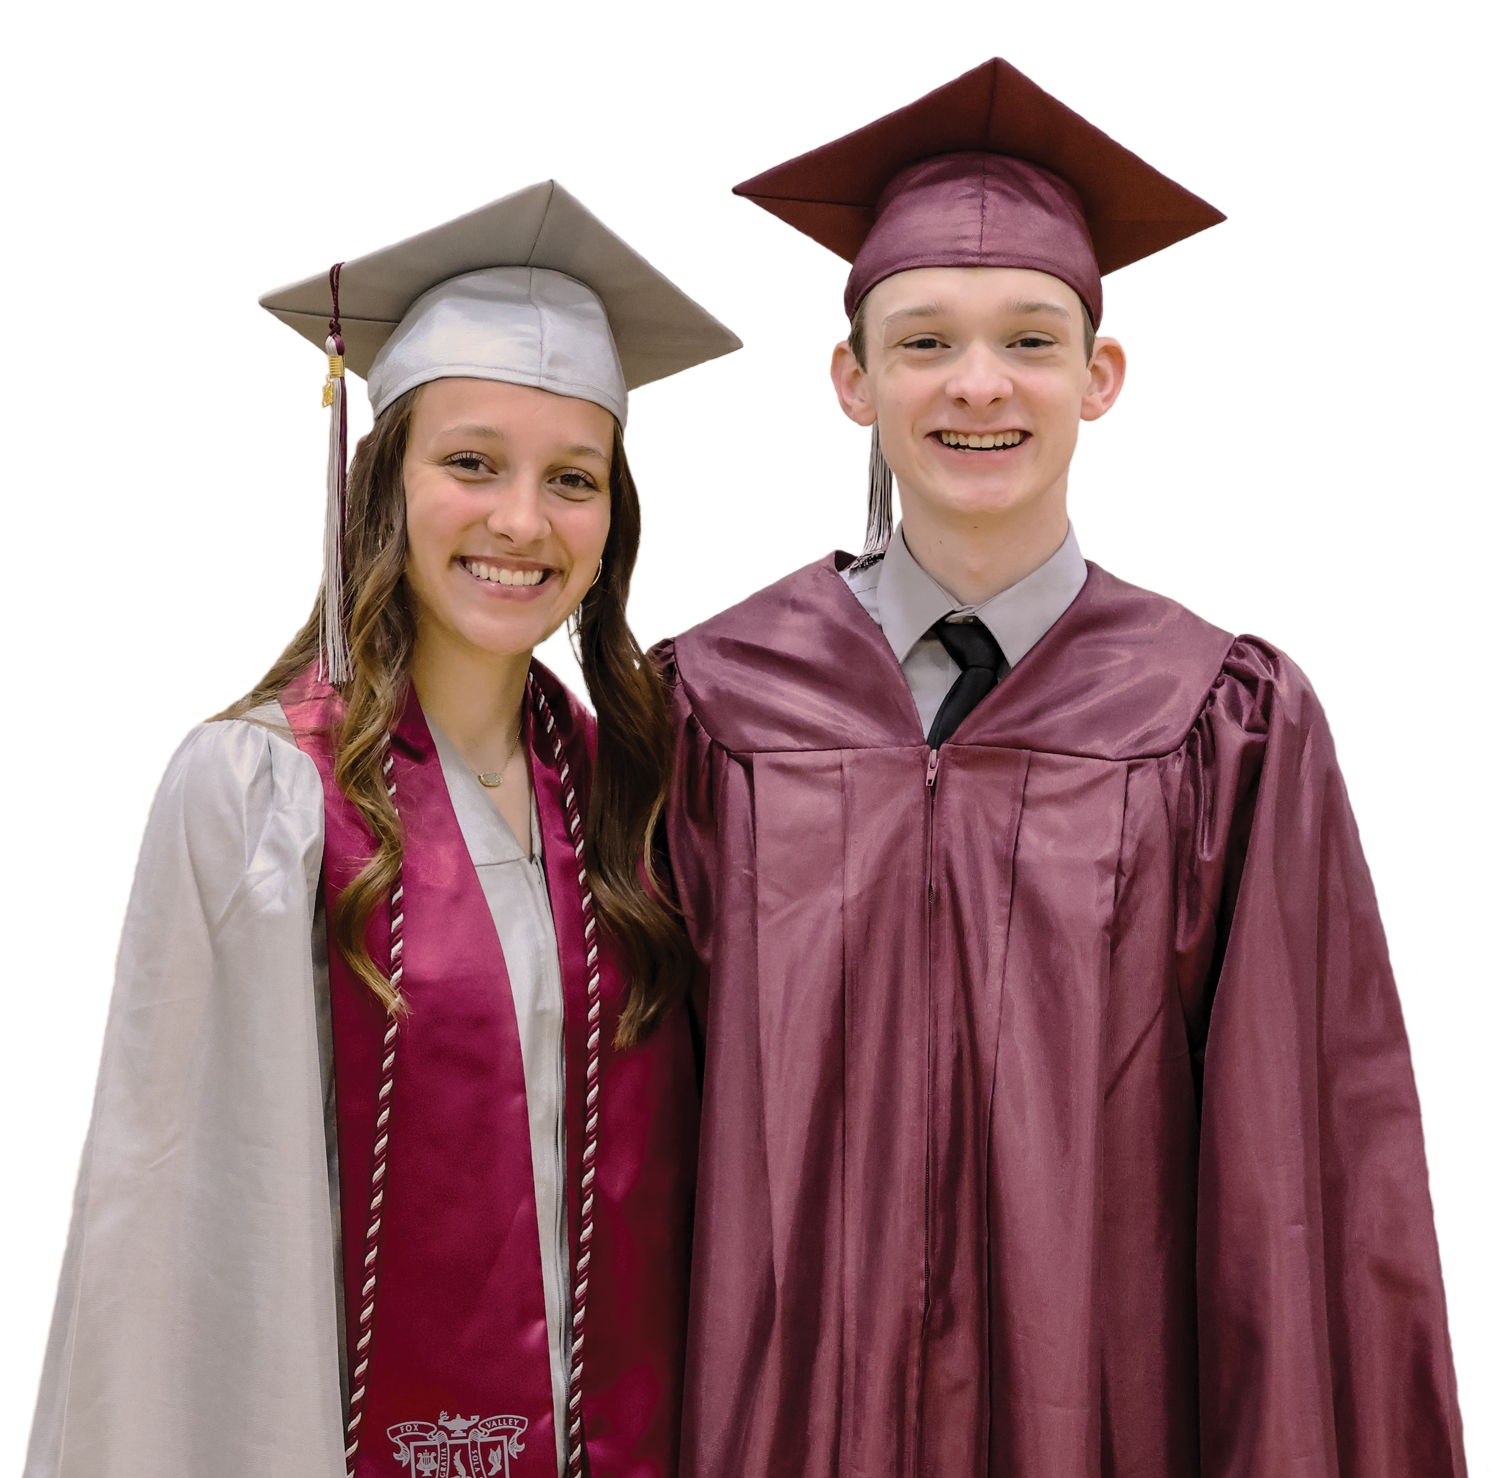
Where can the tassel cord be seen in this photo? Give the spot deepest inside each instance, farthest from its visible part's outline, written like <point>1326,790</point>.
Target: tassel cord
<point>334,664</point>
<point>878,520</point>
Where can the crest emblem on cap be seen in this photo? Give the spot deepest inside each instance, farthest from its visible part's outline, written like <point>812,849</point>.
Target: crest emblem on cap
<point>459,1446</point>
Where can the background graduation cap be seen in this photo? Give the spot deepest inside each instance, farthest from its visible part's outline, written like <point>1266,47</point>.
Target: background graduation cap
<point>1260,596</point>
<point>987,171</point>
<point>532,289</point>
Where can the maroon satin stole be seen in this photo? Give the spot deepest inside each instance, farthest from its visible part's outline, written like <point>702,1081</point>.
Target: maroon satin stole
<point>459,1382</point>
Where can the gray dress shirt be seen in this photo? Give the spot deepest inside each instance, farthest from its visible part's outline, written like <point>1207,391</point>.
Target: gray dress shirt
<point>905,602</point>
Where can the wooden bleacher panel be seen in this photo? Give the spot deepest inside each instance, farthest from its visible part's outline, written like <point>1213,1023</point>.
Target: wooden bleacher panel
<point>120,784</point>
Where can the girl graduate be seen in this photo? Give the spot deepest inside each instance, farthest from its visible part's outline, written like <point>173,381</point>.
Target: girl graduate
<point>391,1161</point>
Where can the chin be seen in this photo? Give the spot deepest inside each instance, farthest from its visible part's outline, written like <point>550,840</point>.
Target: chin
<point>982,501</point>
<point>510,639</point>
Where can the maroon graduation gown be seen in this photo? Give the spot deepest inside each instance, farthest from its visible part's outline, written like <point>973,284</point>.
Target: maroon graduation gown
<point>458,1378</point>
<point>1395,796</point>
<point>1058,1115</point>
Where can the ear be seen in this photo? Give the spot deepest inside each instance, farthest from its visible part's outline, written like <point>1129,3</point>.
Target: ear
<point>1106,378</point>
<point>852,386</point>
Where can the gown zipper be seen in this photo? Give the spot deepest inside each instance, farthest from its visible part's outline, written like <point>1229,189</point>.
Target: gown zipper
<point>931,839</point>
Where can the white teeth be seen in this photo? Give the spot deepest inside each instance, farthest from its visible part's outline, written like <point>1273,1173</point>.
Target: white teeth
<point>981,443</point>
<point>497,576</point>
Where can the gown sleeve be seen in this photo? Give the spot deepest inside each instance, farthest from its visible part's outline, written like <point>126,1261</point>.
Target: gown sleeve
<point>1397,808</point>
<point>1323,1340</point>
<point>196,1325</point>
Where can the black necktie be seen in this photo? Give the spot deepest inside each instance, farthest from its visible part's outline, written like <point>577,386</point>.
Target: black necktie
<point>981,665</point>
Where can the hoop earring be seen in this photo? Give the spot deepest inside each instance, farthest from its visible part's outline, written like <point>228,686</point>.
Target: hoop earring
<point>597,573</point>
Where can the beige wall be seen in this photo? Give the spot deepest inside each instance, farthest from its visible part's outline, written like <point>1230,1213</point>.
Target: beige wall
<point>747,464</point>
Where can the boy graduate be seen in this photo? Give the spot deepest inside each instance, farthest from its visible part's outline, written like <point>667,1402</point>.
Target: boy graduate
<point>1059,1119</point>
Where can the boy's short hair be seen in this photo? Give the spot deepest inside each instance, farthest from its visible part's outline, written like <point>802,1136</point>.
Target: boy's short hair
<point>857,334</point>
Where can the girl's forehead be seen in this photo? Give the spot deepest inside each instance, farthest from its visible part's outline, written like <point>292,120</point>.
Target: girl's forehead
<point>495,410</point>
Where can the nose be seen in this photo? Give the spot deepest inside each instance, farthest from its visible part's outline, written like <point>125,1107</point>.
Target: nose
<point>980,378</point>
<point>519,514</point>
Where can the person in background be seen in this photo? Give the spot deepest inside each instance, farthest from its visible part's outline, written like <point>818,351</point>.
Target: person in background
<point>391,1164</point>
<point>1395,796</point>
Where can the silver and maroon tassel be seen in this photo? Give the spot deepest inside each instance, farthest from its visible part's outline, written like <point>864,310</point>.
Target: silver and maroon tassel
<point>333,639</point>
<point>878,519</point>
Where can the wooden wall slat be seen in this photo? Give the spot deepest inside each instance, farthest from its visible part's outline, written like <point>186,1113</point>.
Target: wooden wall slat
<point>45,1177</point>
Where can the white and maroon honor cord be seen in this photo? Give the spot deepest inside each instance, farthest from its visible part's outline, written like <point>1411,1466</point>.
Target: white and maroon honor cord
<point>591,1090</point>
<point>590,1122</point>
<point>377,1168</point>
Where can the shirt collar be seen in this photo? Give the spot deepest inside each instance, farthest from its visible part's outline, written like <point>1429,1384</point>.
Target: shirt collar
<point>911,601</point>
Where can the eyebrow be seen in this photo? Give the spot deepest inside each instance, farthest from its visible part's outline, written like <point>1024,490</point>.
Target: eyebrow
<point>1053,310</point>
<point>494,433</point>
<point>473,428</point>
<point>926,310</point>
<point>930,310</point>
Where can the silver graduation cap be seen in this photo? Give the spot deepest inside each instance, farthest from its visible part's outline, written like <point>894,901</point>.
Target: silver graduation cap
<point>531,289</point>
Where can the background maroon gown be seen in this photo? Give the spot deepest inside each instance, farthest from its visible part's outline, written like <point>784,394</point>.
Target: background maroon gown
<point>1059,1119</point>
<point>1395,796</point>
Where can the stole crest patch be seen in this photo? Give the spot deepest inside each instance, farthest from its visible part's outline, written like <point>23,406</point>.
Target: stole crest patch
<point>459,1446</point>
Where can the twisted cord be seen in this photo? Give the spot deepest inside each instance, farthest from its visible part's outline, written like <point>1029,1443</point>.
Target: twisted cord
<point>591,1093</point>
<point>378,1165</point>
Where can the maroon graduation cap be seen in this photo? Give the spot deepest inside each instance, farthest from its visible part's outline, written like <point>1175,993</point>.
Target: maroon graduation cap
<point>988,171</point>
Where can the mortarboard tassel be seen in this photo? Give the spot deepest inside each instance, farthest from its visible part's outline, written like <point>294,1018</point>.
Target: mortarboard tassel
<point>878,522</point>
<point>333,641</point>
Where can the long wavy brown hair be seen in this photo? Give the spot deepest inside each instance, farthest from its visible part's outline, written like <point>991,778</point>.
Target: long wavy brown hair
<point>634,761</point>
<point>1307,627</point>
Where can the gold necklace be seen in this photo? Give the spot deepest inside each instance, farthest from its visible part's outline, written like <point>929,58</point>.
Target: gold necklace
<point>494,779</point>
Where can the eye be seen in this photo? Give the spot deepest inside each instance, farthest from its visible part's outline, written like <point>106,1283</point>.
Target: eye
<point>923,341</point>
<point>472,463</point>
<point>1034,341</point>
<point>576,482</point>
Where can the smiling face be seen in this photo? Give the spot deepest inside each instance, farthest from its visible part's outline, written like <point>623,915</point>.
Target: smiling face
<point>979,378</point>
<point>507,510</point>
